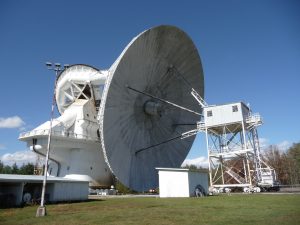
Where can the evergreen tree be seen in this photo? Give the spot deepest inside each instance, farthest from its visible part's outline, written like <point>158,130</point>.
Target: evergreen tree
<point>7,169</point>
<point>1,166</point>
<point>27,169</point>
<point>14,169</point>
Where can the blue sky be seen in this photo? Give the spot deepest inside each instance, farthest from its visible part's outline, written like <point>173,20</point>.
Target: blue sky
<point>250,52</point>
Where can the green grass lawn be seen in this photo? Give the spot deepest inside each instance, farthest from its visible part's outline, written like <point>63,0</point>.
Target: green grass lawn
<point>236,209</point>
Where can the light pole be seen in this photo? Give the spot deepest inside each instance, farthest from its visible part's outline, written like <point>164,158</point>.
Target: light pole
<point>41,211</point>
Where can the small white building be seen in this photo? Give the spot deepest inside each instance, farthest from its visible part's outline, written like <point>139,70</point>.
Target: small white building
<point>18,189</point>
<point>175,182</point>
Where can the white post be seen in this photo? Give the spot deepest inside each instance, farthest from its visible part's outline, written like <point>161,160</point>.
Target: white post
<point>208,154</point>
<point>41,211</point>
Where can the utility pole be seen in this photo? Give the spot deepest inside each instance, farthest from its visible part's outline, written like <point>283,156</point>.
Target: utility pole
<point>41,211</point>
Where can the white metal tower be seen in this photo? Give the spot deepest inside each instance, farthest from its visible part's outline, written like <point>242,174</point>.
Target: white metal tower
<point>233,148</point>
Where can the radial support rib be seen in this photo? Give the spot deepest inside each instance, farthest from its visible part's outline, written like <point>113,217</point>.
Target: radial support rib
<point>155,145</point>
<point>181,136</point>
<point>164,101</point>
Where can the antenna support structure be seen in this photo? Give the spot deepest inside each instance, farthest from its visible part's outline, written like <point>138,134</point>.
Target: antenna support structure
<point>233,149</point>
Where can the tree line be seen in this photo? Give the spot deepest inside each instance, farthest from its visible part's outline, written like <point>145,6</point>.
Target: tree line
<point>285,163</point>
<point>25,169</point>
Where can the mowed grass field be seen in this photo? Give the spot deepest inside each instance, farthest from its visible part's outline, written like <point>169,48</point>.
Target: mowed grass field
<point>235,209</point>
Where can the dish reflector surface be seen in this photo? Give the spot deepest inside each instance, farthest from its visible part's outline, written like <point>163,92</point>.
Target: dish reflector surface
<point>161,62</point>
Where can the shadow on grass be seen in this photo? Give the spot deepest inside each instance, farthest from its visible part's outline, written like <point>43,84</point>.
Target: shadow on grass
<point>24,205</point>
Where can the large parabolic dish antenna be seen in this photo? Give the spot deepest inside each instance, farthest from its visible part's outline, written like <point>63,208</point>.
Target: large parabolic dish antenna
<point>147,105</point>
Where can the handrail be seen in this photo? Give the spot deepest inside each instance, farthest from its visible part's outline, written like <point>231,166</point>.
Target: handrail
<point>254,118</point>
<point>57,133</point>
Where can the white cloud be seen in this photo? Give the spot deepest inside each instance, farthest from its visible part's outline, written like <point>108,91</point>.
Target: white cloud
<point>11,122</point>
<point>284,145</point>
<point>263,142</point>
<point>200,161</point>
<point>18,157</point>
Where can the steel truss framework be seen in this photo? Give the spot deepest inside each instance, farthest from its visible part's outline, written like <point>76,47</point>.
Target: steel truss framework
<point>234,154</point>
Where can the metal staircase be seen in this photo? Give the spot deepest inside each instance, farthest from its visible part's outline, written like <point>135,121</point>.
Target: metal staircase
<point>235,175</point>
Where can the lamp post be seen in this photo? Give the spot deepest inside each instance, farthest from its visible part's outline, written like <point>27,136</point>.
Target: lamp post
<point>41,211</point>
